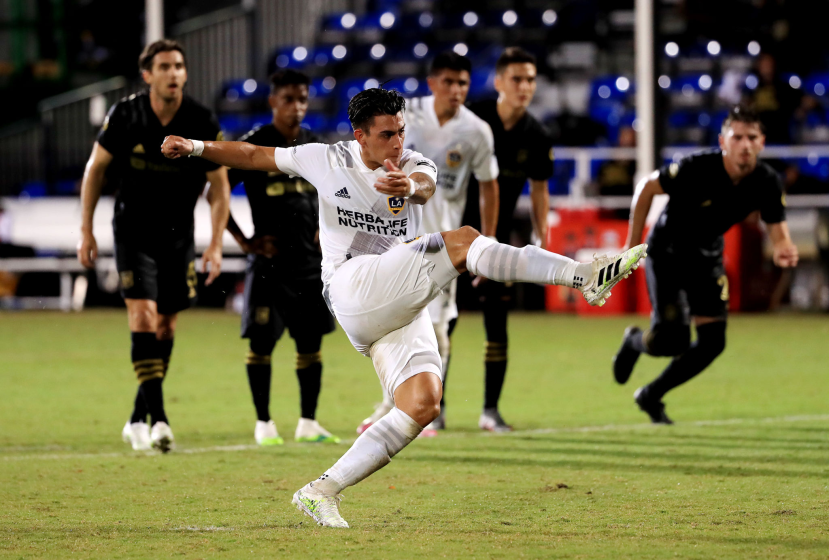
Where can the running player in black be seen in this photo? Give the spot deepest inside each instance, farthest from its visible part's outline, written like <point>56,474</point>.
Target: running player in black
<point>709,192</point>
<point>153,223</point>
<point>523,147</point>
<point>282,282</point>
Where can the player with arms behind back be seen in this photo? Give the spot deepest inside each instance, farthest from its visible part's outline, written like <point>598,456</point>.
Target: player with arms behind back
<point>378,280</point>
<point>282,280</point>
<point>153,223</point>
<point>460,144</point>
<point>709,192</point>
<point>524,151</point>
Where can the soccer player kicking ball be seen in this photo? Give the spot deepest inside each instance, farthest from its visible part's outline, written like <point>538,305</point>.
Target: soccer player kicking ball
<point>709,192</point>
<point>460,144</point>
<point>378,280</point>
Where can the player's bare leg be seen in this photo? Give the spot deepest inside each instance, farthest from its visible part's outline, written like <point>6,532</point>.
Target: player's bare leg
<point>417,403</point>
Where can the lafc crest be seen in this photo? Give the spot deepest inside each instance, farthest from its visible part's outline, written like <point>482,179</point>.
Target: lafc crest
<point>453,157</point>
<point>396,204</point>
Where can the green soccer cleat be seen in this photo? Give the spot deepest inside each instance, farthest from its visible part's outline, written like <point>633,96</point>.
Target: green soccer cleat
<point>322,509</point>
<point>608,271</point>
<point>266,434</point>
<point>310,431</point>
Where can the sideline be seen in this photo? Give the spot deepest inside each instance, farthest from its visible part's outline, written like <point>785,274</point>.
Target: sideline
<point>450,435</point>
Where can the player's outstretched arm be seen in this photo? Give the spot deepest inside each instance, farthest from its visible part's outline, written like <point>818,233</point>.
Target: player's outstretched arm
<point>238,155</point>
<point>647,188</point>
<point>785,252</point>
<point>417,188</point>
<point>91,186</point>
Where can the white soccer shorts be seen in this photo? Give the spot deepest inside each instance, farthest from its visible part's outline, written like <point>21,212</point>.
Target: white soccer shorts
<point>380,301</point>
<point>444,307</point>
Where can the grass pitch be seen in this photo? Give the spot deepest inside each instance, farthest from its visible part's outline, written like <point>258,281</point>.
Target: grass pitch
<point>744,473</point>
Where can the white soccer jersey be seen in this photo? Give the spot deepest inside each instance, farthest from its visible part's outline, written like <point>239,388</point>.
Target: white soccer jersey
<point>355,219</point>
<point>463,145</point>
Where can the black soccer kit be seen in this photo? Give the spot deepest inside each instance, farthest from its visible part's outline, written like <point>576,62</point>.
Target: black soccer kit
<point>153,222</point>
<point>685,269</point>
<point>524,152</point>
<point>686,276</point>
<point>285,290</point>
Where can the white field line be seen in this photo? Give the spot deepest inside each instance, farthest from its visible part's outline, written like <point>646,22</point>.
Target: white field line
<point>577,429</point>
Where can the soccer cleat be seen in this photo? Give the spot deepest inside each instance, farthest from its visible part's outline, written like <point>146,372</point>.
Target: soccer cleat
<point>654,409</point>
<point>266,434</point>
<point>162,437</point>
<point>139,436</point>
<point>380,410</point>
<point>626,356</point>
<point>322,509</point>
<point>126,433</point>
<point>491,421</point>
<point>310,431</point>
<point>608,271</point>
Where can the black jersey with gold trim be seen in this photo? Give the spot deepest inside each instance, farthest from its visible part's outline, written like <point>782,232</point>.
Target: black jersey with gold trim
<point>704,202</point>
<point>284,207</point>
<point>523,152</point>
<point>156,196</point>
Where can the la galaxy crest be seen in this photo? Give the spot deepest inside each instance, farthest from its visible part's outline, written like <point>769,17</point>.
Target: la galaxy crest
<point>396,204</point>
<point>454,157</point>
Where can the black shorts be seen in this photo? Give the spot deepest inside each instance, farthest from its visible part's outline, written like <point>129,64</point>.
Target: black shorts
<point>162,272</point>
<point>681,287</point>
<point>272,304</point>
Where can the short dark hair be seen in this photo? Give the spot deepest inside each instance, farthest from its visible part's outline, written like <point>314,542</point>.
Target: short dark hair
<point>288,77</point>
<point>450,60</point>
<point>743,114</point>
<point>371,103</point>
<point>513,55</point>
<point>145,60</point>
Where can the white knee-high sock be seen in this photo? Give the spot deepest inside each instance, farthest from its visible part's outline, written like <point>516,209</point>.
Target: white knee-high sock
<point>505,263</point>
<point>372,451</point>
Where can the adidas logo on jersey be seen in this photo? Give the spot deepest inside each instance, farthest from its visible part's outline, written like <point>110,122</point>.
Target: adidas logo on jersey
<point>342,193</point>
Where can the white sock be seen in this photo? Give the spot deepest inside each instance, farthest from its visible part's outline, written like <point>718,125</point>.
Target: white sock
<point>372,451</point>
<point>506,263</point>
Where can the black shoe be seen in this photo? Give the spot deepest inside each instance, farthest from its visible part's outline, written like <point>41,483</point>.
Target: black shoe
<point>654,409</point>
<point>626,357</point>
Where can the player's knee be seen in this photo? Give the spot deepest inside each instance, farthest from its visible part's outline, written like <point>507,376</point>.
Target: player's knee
<point>468,233</point>
<point>711,339</point>
<point>262,346</point>
<point>143,319</point>
<point>668,339</point>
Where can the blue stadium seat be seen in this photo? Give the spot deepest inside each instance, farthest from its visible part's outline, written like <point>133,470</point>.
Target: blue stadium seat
<point>316,123</point>
<point>482,82</point>
<point>322,88</point>
<point>409,87</point>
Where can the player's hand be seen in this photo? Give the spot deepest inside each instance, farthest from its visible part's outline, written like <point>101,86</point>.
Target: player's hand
<point>394,182</point>
<point>264,245</point>
<point>175,147</point>
<point>785,255</point>
<point>87,250</point>
<point>212,255</point>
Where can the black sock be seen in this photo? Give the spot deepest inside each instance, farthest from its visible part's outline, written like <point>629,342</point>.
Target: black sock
<point>709,344</point>
<point>149,369</point>
<point>309,374</point>
<point>166,349</point>
<point>637,342</point>
<point>495,364</point>
<point>452,324</point>
<point>140,410</point>
<point>259,376</point>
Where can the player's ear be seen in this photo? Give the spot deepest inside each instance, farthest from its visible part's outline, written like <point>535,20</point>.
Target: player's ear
<point>432,82</point>
<point>359,135</point>
<point>499,82</point>
<point>721,140</point>
<point>272,100</point>
<point>147,76</point>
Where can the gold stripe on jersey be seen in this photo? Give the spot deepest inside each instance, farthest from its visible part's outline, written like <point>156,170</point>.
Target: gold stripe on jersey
<point>279,188</point>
